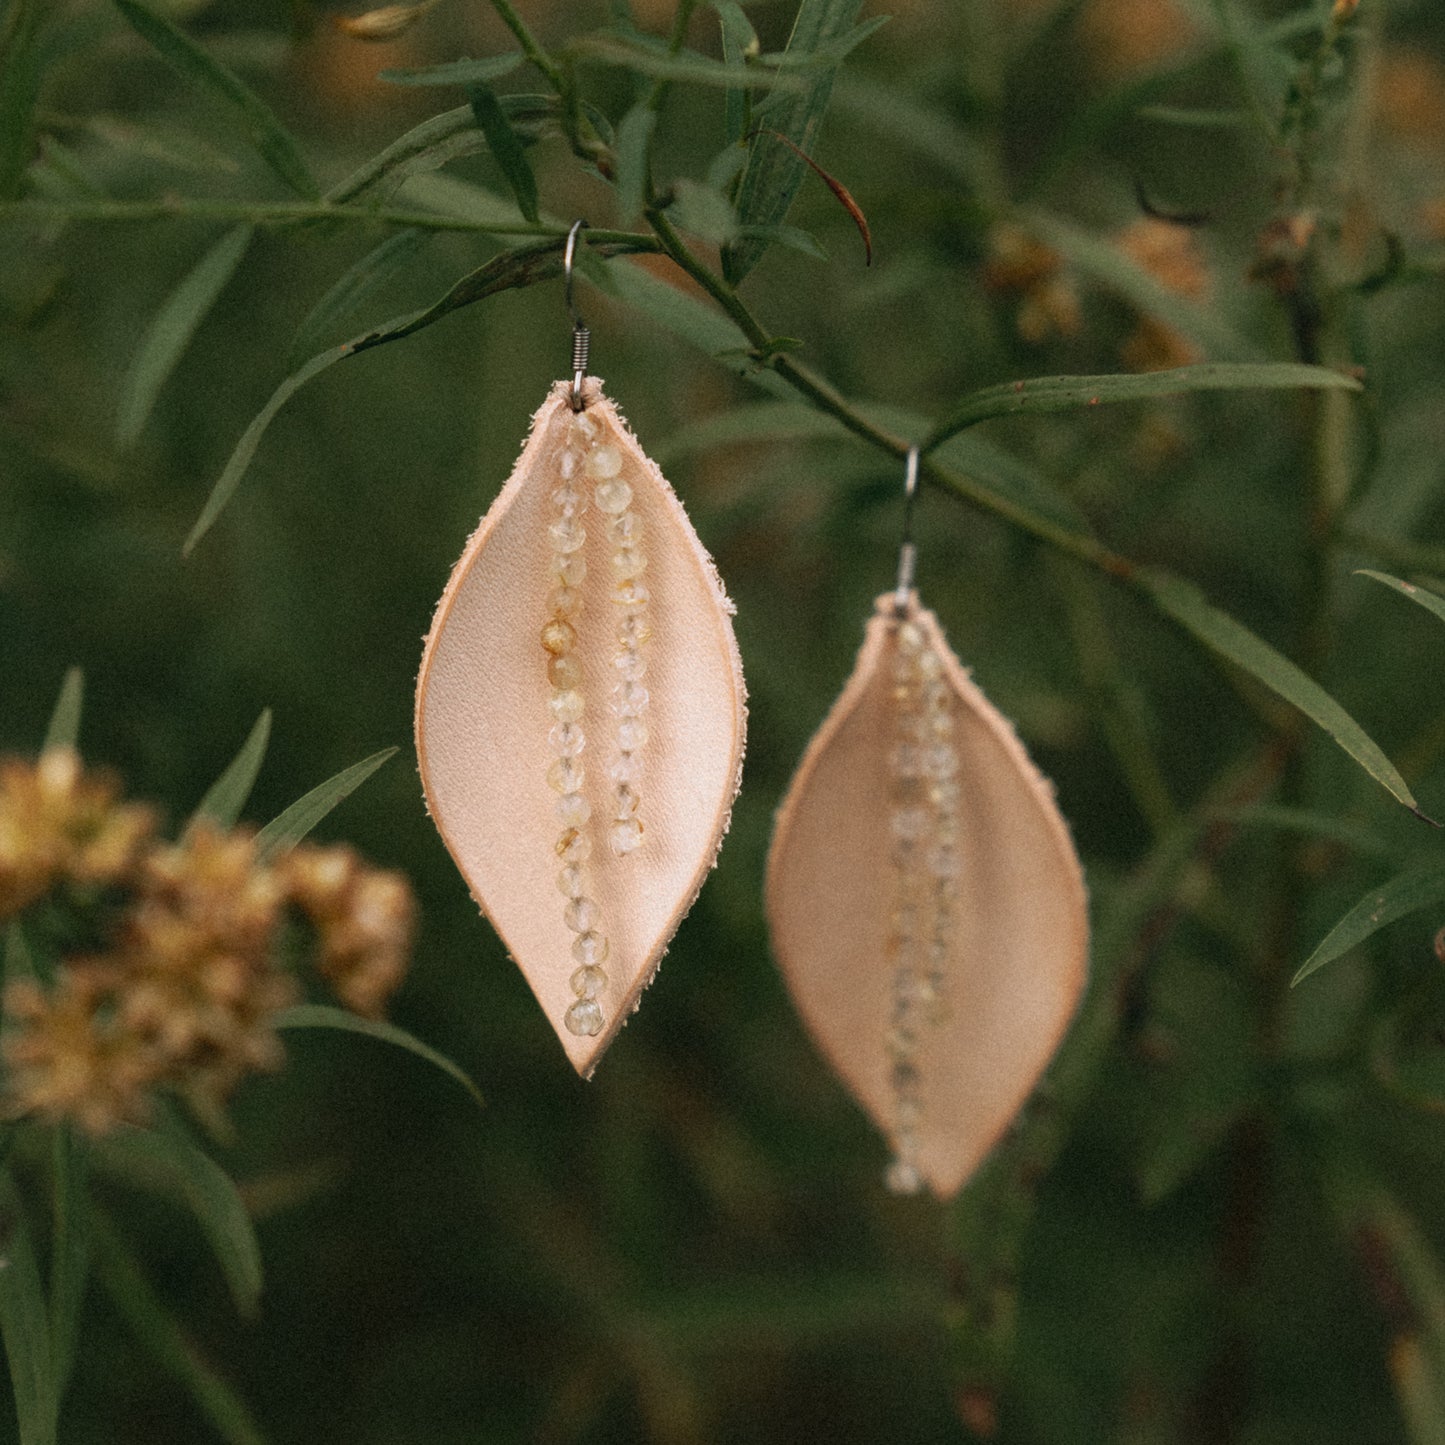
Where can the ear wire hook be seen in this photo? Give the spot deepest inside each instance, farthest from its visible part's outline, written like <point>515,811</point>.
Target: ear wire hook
<point>907,552</point>
<point>581,336</point>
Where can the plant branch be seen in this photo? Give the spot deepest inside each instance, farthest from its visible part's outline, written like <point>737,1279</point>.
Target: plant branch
<point>296,213</point>
<point>530,48</point>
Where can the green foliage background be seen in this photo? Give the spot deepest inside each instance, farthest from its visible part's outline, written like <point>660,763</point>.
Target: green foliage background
<point>1220,1219</point>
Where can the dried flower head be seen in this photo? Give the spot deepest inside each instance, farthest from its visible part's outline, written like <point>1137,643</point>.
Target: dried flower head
<point>185,994</point>
<point>1170,253</point>
<point>60,822</point>
<point>200,984</point>
<point>1020,265</point>
<point>68,1056</point>
<point>364,918</point>
<point>1124,36</point>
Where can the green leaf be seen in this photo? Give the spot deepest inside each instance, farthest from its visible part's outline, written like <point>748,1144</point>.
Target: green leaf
<point>20,72</point>
<point>457,72</point>
<point>225,798</point>
<point>270,138</point>
<point>1073,393</point>
<point>704,212</point>
<point>171,330</point>
<point>1232,640</point>
<point>1111,268</point>
<point>507,150</point>
<point>739,42</point>
<point>1417,888</point>
<point>661,63</point>
<point>1193,119</point>
<point>358,282</point>
<point>634,137</point>
<point>235,468</point>
<point>64,729</point>
<point>1310,824</point>
<point>774,170</point>
<point>1430,601</point>
<point>287,829</point>
<point>168,1163</point>
<point>425,147</point>
<point>520,267</point>
<point>24,1324</point>
<point>153,1325</point>
<point>69,1249</point>
<point>321,1016</point>
<point>696,322</point>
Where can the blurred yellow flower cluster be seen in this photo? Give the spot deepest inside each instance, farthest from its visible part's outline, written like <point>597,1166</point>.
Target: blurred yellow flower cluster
<point>184,991</point>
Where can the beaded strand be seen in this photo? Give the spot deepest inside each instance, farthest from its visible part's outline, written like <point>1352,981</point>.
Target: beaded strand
<point>630,598</point>
<point>567,705</point>
<point>925,858</point>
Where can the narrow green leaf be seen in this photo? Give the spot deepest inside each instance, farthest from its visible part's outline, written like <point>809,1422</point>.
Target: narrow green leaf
<point>739,43</point>
<point>1111,268</point>
<point>358,282</point>
<point>1430,601</point>
<point>171,330</point>
<point>19,87</point>
<point>1232,640</point>
<point>774,170</point>
<point>235,468</point>
<point>1263,70</point>
<point>520,267</point>
<point>1310,824</point>
<point>1074,393</point>
<point>272,141</point>
<point>704,212</point>
<point>69,1250</point>
<point>696,322</point>
<point>1419,887</point>
<point>634,137</point>
<point>153,1325</point>
<point>793,237</point>
<point>507,149</point>
<point>290,827</point>
<point>64,729</point>
<point>321,1016</point>
<point>1193,119</point>
<point>425,147</point>
<point>225,798</point>
<point>168,1163</point>
<point>457,72</point>
<point>661,63</point>
<point>24,1325</point>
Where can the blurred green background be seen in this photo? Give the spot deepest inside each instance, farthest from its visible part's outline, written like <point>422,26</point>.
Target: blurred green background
<point>697,1245</point>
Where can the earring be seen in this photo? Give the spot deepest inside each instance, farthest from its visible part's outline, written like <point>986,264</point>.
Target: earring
<point>924,898</point>
<point>580,711</point>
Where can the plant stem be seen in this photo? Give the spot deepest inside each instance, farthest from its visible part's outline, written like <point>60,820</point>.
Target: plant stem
<point>530,48</point>
<point>295,213</point>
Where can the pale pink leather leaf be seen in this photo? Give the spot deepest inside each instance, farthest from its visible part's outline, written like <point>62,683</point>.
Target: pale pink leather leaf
<point>1017,929</point>
<point>483,720</point>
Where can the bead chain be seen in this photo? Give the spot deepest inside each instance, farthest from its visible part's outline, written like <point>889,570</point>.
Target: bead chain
<point>630,600</point>
<point>923,826</point>
<point>602,464</point>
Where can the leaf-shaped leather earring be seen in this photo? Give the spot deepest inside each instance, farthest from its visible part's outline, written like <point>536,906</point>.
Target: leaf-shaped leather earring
<point>925,900</point>
<point>580,711</point>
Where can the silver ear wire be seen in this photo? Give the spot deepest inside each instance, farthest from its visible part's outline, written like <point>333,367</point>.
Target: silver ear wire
<point>907,552</point>
<point>581,336</point>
